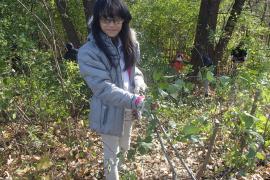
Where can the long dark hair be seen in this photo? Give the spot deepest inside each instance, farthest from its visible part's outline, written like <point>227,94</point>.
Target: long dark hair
<point>114,8</point>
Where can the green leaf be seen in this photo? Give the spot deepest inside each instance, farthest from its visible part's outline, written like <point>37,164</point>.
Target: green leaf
<point>163,85</point>
<point>174,95</point>
<point>157,75</point>
<point>200,77</point>
<point>121,156</point>
<point>248,122</point>
<point>162,93</point>
<point>179,84</point>
<point>5,81</point>
<point>172,89</point>
<point>202,120</point>
<point>267,143</point>
<point>251,153</point>
<point>260,156</point>
<point>249,115</point>
<point>256,134</point>
<point>14,116</point>
<point>44,163</point>
<point>148,139</point>
<point>194,138</point>
<point>224,80</point>
<point>248,119</point>
<point>191,129</point>
<point>210,76</point>
<point>144,147</point>
<point>131,154</point>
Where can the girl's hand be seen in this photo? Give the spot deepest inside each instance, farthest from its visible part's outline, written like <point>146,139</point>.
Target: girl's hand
<point>139,102</point>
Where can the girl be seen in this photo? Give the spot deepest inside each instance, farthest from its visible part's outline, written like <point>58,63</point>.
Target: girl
<point>108,65</point>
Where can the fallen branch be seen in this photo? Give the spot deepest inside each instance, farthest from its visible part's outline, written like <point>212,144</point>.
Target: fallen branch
<point>23,114</point>
<point>254,105</point>
<point>166,155</point>
<point>210,149</point>
<point>175,150</point>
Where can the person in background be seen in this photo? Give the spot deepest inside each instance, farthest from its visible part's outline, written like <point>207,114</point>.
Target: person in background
<point>107,62</point>
<point>178,63</point>
<point>18,66</point>
<point>239,54</point>
<point>71,53</point>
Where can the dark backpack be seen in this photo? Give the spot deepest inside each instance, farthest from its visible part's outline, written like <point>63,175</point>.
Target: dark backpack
<point>207,61</point>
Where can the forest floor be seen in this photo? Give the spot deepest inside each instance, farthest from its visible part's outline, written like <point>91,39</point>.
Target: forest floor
<point>68,150</point>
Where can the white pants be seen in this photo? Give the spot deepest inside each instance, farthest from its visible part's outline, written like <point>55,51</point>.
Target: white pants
<point>112,145</point>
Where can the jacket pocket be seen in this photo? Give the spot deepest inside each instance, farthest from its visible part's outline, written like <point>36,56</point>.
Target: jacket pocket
<point>104,114</point>
<point>95,113</point>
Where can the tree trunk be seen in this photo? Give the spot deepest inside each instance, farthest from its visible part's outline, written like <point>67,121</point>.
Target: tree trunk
<point>212,22</point>
<point>67,24</point>
<point>228,30</point>
<point>88,11</point>
<point>207,22</point>
<point>264,10</point>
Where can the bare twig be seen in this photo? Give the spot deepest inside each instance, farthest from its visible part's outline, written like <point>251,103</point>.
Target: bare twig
<point>264,11</point>
<point>175,150</point>
<point>24,116</point>
<point>59,72</point>
<point>254,105</point>
<point>44,36</point>
<point>38,18</point>
<point>56,63</point>
<point>210,149</point>
<point>166,155</point>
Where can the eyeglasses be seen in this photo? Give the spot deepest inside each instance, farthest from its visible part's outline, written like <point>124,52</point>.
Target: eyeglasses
<point>108,20</point>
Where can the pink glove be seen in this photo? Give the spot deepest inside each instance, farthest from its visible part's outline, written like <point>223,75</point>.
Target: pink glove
<point>139,100</point>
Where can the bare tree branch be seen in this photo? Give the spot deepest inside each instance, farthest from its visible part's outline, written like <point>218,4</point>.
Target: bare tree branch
<point>67,23</point>
<point>166,155</point>
<point>33,14</point>
<point>209,151</point>
<point>228,30</point>
<point>175,150</point>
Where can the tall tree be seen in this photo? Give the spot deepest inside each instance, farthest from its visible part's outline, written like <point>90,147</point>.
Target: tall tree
<point>207,22</point>
<point>264,10</point>
<point>88,8</point>
<point>67,23</point>
<point>228,30</point>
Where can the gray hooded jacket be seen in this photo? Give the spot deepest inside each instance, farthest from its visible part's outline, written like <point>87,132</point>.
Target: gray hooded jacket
<point>109,100</point>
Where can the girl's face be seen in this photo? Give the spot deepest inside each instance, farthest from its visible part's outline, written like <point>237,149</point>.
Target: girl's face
<point>111,26</point>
